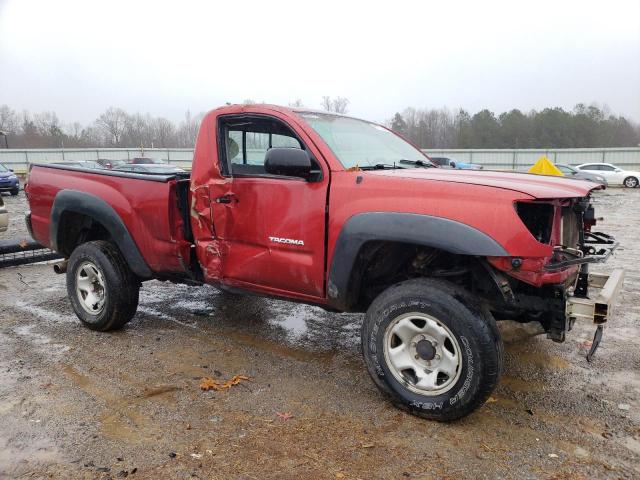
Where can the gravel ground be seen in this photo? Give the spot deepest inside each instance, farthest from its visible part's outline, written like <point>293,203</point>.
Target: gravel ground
<point>80,404</point>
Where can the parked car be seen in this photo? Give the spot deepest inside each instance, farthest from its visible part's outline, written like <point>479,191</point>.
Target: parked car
<point>147,160</point>
<point>9,182</point>
<point>457,164</point>
<point>81,164</point>
<point>613,174</point>
<point>571,172</point>
<point>153,168</point>
<point>110,164</point>
<point>4,216</point>
<point>432,258</point>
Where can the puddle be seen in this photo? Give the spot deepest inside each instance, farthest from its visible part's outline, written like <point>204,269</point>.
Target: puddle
<point>295,326</point>
<point>122,418</point>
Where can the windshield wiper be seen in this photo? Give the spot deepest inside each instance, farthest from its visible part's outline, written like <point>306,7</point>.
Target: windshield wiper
<point>379,166</point>
<point>418,163</point>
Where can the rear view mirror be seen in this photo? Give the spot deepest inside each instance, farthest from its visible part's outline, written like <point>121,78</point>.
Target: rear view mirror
<point>291,162</point>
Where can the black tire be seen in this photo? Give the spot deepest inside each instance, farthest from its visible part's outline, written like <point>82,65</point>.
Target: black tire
<point>15,192</point>
<point>474,329</point>
<point>121,287</point>
<point>630,182</point>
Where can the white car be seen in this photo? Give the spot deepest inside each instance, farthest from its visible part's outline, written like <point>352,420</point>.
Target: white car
<point>614,175</point>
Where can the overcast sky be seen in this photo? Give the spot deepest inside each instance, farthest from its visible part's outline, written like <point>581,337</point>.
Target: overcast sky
<point>79,57</point>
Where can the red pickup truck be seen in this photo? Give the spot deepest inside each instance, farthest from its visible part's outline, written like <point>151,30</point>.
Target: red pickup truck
<point>342,213</point>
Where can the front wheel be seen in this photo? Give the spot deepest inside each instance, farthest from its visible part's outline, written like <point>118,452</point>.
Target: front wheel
<point>15,191</point>
<point>431,349</point>
<point>630,182</point>
<point>102,289</point>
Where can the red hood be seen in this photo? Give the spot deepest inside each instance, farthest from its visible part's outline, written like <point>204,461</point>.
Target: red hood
<point>538,186</point>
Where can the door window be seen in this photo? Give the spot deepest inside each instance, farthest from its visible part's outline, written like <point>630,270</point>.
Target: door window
<point>247,140</point>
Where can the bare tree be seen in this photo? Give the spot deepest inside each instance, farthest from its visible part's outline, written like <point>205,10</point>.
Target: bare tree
<point>48,124</point>
<point>336,105</point>
<point>188,130</point>
<point>112,122</point>
<point>8,119</point>
<point>164,132</point>
<point>297,103</point>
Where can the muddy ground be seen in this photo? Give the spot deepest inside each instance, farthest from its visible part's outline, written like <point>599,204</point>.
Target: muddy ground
<point>80,404</point>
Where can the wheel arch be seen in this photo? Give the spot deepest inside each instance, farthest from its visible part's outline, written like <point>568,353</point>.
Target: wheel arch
<point>74,212</point>
<point>405,229</point>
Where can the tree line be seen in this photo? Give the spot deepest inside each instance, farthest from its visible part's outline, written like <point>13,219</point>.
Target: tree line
<point>584,126</point>
<point>114,127</point>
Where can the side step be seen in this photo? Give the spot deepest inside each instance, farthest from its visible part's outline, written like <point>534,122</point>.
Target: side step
<point>23,252</point>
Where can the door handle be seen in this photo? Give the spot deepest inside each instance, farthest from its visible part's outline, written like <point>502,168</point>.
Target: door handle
<point>225,199</point>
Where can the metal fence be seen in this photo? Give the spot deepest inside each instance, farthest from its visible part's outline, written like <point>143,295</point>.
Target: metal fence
<point>519,159</point>
<point>19,159</point>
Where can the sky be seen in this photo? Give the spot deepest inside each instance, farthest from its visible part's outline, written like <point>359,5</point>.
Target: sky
<point>78,58</point>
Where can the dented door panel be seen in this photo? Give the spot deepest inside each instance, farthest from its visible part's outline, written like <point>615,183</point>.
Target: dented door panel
<point>272,229</point>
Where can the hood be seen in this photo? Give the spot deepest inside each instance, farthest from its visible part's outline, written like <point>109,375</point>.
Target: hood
<point>537,186</point>
<point>5,174</point>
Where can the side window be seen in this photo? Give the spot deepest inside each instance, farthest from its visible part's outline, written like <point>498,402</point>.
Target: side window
<point>591,167</point>
<point>247,141</point>
<point>607,168</point>
<point>257,146</point>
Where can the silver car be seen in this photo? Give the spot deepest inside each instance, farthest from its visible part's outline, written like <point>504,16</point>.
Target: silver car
<point>571,172</point>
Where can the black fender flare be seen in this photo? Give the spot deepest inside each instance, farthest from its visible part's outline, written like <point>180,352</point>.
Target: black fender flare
<point>437,232</point>
<point>103,213</point>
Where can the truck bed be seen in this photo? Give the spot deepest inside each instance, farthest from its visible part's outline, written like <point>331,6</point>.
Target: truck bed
<point>154,208</point>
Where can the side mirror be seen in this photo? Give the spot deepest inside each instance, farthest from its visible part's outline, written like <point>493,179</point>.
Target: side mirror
<point>11,169</point>
<point>617,170</point>
<point>291,162</point>
<point>452,164</point>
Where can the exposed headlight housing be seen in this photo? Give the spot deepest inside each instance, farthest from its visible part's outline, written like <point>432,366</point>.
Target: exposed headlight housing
<point>538,218</point>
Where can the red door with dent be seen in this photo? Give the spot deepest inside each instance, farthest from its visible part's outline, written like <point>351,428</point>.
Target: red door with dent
<point>270,229</point>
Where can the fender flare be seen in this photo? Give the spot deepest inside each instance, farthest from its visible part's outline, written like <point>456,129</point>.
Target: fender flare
<point>442,233</point>
<point>99,210</point>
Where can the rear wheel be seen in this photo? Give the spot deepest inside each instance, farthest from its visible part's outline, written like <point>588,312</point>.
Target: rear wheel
<point>102,289</point>
<point>431,349</point>
<point>15,191</point>
<point>630,182</point>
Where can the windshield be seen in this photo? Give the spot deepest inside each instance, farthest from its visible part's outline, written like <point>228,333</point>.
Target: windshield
<point>565,169</point>
<point>357,143</point>
<point>3,168</point>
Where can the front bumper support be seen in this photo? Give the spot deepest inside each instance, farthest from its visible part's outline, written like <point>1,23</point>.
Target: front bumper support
<point>597,307</point>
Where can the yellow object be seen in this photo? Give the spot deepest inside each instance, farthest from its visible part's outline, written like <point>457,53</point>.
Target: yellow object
<point>543,166</point>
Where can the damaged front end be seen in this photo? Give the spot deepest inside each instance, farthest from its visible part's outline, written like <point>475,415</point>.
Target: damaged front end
<point>558,289</point>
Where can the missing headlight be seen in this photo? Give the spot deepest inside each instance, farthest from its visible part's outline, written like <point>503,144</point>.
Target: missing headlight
<point>538,218</point>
